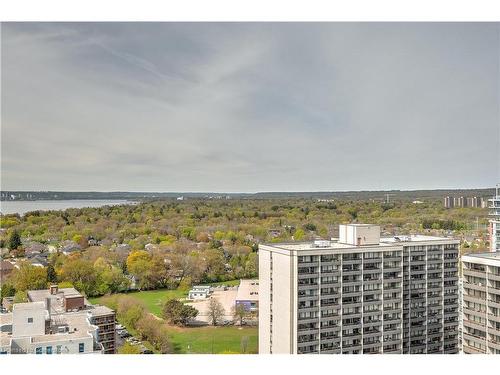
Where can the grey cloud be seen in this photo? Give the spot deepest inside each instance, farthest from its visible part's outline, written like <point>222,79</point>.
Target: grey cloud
<point>249,107</point>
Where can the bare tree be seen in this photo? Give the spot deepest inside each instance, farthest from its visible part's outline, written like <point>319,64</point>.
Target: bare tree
<point>215,311</point>
<point>240,312</point>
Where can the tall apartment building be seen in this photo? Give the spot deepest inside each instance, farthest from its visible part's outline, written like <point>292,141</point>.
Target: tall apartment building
<point>359,294</point>
<point>494,228</point>
<point>481,303</point>
<point>448,202</point>
<point>57,321</point>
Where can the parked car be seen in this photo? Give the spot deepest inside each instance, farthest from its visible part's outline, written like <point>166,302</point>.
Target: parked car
<point>123,333</point>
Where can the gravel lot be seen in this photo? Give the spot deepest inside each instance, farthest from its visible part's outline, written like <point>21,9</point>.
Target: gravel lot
<point>225,297</point>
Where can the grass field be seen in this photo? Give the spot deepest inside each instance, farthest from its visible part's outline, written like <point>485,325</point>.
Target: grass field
<point>154,299</point>
<point>198,340</point>
<point>207,340</point>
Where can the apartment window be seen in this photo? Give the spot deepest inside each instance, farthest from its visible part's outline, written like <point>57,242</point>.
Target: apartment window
<point>48,350</point>
<point>38,350</point>
<point>81,347</point>
<point>30,320</point>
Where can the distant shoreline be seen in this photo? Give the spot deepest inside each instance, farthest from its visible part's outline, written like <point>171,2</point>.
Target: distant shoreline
<point>21,207</point>
<point>17,196</point>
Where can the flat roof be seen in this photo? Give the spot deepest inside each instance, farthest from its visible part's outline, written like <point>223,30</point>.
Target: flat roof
<point>29,306</point>
<point>335,245</point>
<point>77,322</point>
<point>98,310</point>
<point>248,290</point>
<point>5,319</point>
<point>415,238</point>
<point>41,295</point>
<point>493,256</point>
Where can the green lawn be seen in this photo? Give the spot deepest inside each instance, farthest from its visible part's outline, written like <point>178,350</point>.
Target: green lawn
<point>199,340</point>
<point>208,339</point>
<point>154,299</point>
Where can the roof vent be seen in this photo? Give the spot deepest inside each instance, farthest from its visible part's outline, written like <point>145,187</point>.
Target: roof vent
<point>321,243</point>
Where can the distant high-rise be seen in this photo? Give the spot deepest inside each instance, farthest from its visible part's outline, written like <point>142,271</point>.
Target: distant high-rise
<point>494,228</point>
<point>360,294</point>
<point>448,202</point>
<point>451,202</point>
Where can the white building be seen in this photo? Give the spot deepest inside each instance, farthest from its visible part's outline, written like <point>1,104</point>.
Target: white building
<point>57,321</point>
<point>481,303</point>
<point>200,292</point>
<point>30,329</point>
<point>248,295</point>
<point>360,294</point>
<point>494,229</point>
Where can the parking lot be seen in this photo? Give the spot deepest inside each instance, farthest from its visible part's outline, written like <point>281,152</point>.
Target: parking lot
<point>225,297</point>
<point>122,336</point>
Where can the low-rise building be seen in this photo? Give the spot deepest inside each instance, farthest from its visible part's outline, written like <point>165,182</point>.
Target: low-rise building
<point>57,321</point>
<point>200,292</point>
<point>248,295</point>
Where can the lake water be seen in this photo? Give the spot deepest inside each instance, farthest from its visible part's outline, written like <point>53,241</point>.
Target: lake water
<point>21,207</point>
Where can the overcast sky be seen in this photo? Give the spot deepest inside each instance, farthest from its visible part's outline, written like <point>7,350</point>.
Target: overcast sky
<point>249,107</point>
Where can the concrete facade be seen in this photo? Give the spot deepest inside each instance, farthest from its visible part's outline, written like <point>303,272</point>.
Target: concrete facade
<point>57,321</point>
<point>494,228</point>
<point>481,303</point>
<point>389,295</point>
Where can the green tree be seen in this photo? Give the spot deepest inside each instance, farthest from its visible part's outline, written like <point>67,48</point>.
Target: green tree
<point>240,312</point>
<point>251,265</point>
<point>28,277</point>
<point>310,227</point>
<point>215,311</point>
<point>129,349</point>
<point>14,241</point>
<point>7,290</point>
<point>299,235</point>
<point>215,264</point>
<point>81,274</point>
<point>51,274</point>
<point>21,296</point>
<point>129,310</point>
<point>175,312</point>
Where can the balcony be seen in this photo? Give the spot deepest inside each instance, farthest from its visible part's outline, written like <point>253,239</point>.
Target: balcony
<point>353,293</point>
<point>307,341</point>
<point>372,323</point>
<point>307,297</point>
<point>367,330</point>
<point>474,338</point>
<point>494,318</point>
<point>469,272</point>
<point>308,308</point>
<point>480,288</point>
<point>392,320</point>
<point>474,325</point>
<point>468,311</point>
<point>470,350</point>
<point>494,344</point>
<point>492,303</point>
<point>492,276</point>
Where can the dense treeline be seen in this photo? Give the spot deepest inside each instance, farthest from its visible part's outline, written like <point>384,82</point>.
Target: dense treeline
<point>172,244</point>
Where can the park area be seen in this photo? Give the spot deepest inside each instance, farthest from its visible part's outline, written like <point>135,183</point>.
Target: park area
<point>201,339</point>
